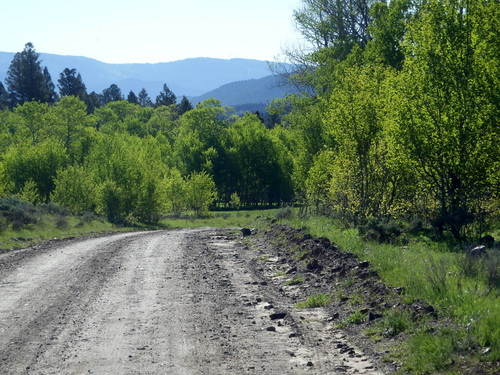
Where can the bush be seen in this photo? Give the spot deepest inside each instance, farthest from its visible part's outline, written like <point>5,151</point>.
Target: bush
<point>54,209</point>
<point>381,230</point>
<point>284,213</point>
<point>17,212</point>
<point>62,222</point>
<point>235,202</point>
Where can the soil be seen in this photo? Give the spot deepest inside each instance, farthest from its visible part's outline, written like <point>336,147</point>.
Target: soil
<point>202,301</point>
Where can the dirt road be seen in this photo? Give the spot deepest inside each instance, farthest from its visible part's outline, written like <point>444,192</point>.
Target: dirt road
<point>166,302</point>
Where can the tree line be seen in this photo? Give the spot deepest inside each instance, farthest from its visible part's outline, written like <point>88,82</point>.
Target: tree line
<point>403,120</point>
<point>130,160</point>
<point>398,121</point>
<point>28,81</point>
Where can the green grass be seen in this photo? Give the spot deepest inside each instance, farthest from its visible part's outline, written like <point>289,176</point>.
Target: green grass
<point>222,219</point>
<point>296,280</point>
<point>49,227</point>
<point>316,300</point>
<point>356,318</point>
<point>431,271</point>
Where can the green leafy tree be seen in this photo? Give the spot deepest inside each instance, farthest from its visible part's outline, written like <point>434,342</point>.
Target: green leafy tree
<point>200,193</point>
<point>174,192</point>
<point>449,105</point>
<point>75,189</point>
<point>166,97</point>
<point>363,183</point>
<point>70,83</point>
<point>198,141</point>
<point>34,120</point>
<point>25,78</point>
<point>319,179</point>
<point>254,164</point>
<point>388,28</point>
<point>38,163</point>
<point>70,118</point>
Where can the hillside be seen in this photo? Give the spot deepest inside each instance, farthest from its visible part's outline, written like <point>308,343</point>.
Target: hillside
<point>258,91</point>
<point>190,77</point>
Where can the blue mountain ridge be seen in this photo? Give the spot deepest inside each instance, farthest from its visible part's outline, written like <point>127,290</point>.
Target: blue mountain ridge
<point>191,77</point>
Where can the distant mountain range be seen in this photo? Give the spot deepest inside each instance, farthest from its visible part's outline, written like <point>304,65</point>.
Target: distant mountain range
<point>239,93</point>
<point>233,81</point>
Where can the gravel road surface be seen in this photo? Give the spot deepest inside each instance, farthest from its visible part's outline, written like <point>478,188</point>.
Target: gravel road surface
<point>163,302</point>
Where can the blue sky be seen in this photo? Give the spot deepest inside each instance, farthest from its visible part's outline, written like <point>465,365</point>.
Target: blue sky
<point>120,31</point>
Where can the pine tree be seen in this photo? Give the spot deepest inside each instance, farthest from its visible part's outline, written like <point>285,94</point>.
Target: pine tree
<point>144,99</point>
<point>132,98</point>
<point>112,94</point>
<point>71,84</point>
<point>184,106</point>
<point>166,97</point>
<point>93,101</point>
<point>4,97</point>
<point>49,87</point>
<point>26,80</point>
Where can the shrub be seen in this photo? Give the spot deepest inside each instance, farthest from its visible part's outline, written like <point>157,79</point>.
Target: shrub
<point>284,213</point>
<point>381,230</point>
<point>235,202</point>
<point>17,212</point>
<point>29,192</point>
<point>62,222</point>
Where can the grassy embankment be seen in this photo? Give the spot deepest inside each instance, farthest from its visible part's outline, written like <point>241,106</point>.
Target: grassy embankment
<point>23,224</point>
<point>465,291</point>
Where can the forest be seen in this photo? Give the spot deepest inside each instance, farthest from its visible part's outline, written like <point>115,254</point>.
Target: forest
<point>397,122</point>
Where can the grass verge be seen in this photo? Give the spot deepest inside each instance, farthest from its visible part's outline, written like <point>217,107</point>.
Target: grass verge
<point>438,273</point>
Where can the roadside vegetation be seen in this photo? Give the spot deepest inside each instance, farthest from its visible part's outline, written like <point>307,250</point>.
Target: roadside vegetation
<point>464,290</point>
<point>23,224</point>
